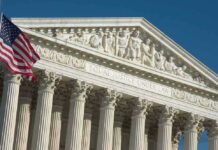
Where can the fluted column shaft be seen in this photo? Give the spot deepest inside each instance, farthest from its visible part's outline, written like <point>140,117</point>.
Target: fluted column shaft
<point>117,138</point>
<point>23,120</point>
<point>105,129</point>
<point>137,132</point>
<point>191,132</point>
<point>42,121</point>
<point>165,129</point>
<point>76,115</point>
<point>213,135</point>
<point>213,142</point>
<point>106,122</point>
<point>8,111</point>
<point>55,129</point>
<point>191,139</point>
<point>87,124</point>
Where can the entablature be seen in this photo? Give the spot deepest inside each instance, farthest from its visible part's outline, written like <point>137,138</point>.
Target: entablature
<point>49,48</point>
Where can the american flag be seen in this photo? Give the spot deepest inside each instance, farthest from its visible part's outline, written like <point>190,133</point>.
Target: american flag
<point>16,51</point>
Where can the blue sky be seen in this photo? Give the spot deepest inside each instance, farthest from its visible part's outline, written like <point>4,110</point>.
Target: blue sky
<point>192,24</point>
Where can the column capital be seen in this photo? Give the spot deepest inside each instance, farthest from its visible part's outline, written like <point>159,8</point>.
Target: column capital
<point>48,80</point>
<point>109,97</point>
<point>12,78</point>
<point>140,107</point>
<point>167,114</point>
<point>80,90</point>
<point>193,122</point>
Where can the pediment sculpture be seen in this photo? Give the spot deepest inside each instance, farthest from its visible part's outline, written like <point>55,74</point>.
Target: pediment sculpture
<point>130,45</point>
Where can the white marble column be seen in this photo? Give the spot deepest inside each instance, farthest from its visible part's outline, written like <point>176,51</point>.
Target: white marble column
<point>87,124</point>
<point>8,110</point>
<point>117,137</point>
<point>23,120</point>
<point>165,128</point>
<point>213,136</point>
<point>55,129</point>
<point>191,132</point>
<point>40,139</point>
<point>76,115</point>
<point>106,122</point>
<point>137,131</point>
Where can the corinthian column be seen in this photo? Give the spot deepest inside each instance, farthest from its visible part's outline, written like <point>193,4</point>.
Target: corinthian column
<point>23,118</point>
<point>76,114</point>
<point>106,122</point>
<point>213,136</point>
<point>42,121</point>
<point>8,110</point>
<point>55,129</point>
<point>191,132</point>
<point>137,132</point>
<point>117,138</point>
<point>165,128</point>
<point>87,124</point>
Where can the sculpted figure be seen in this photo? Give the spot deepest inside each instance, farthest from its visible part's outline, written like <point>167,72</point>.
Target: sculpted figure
<point>160,60</point>
<point>148,53</point>
<point>109,43</point>
<point>199,79</point>
<point>181,72</point>
<point>121,44</point>
<point>80,38</point>
<point>134,46</point>
<point>170,65</point>
<point>96,40</point>
<point>72,38</point>
<point>145,51</point>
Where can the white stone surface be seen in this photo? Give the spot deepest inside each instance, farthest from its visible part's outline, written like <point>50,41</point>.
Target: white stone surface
<point>55,129</point>
<point>23,121</point>
<point>77,107</point>
<point>8,110</point>
<point>40,139</point>
<point>106,122</point>
<point>117,135</point>
<point>86,137</point>
<point>165,129</point>
<point>118,54</point>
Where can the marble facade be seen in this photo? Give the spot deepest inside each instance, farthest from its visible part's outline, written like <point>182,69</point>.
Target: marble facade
<point>107,84</point>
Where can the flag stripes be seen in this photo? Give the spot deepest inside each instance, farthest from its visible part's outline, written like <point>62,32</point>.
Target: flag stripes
<point>16,51</point>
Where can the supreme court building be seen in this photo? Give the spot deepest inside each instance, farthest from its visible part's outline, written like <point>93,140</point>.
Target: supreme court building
<point>107,84</point>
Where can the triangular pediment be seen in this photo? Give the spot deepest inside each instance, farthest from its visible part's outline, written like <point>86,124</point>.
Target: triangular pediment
<point>129,39</point>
